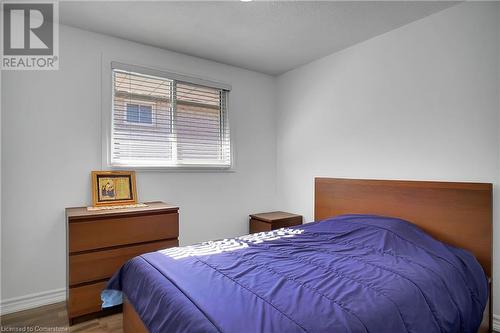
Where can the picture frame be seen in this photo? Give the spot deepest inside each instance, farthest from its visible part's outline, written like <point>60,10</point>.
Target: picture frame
<point>110,188</point>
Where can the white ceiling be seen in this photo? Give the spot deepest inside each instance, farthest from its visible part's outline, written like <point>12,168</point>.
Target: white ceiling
<point>268,37</point>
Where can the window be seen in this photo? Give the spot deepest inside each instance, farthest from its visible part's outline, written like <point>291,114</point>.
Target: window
<point>167,120</point>
<point>140,113</point>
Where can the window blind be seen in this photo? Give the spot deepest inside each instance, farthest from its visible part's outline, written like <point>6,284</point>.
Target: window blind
<point>159,121</point>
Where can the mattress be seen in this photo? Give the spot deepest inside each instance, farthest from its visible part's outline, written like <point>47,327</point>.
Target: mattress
<point>352,273</point>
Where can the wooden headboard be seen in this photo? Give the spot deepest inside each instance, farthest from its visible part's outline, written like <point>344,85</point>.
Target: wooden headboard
<point>459,214</point>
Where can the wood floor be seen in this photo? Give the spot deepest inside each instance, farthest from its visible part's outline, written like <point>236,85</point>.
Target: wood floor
<point>53,318</point>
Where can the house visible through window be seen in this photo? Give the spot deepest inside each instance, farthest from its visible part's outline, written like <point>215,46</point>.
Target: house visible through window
<point>141,114</point>
<point>163,121</point>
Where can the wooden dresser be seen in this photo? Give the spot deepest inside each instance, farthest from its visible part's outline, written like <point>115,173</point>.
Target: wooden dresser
<point>100,242</point>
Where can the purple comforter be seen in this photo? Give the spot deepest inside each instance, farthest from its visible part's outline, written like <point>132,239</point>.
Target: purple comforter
<point>353,273</point>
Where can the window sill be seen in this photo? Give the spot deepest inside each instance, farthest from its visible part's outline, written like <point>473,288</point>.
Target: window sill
<point>176,169</point>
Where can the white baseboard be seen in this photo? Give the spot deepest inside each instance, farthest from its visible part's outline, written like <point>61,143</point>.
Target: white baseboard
<point>496,322</point>
<point>32,301</point>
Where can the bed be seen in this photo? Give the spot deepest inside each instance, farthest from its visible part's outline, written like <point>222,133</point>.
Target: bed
<point>361,268</point>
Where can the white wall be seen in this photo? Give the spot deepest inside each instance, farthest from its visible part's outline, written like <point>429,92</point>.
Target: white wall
<point>51,140</point>
<point>420,102</point>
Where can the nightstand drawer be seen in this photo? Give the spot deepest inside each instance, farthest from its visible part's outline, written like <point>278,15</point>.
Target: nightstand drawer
<point>259,226</point>
<point>108,232</point>
<point>103,264</point>
<point>273,220</point>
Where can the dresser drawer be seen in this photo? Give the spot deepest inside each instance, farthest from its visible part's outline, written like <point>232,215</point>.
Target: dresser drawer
<point>113,231</point>
<point>103,264</point>
<point>85,299</point>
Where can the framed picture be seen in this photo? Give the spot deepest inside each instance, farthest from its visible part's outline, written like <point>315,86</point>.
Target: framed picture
<point>113,188</point>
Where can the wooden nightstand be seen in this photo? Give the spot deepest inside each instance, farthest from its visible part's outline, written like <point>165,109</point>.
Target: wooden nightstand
<point>273,220</point>
<point>100,242</point>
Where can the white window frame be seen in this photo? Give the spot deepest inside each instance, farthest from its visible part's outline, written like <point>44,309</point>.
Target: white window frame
<point>107,66</point>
